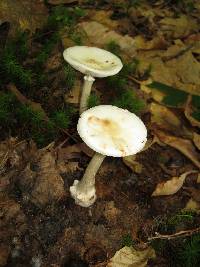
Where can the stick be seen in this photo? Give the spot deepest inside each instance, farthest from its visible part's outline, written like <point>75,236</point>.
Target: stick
<point>176,235</point>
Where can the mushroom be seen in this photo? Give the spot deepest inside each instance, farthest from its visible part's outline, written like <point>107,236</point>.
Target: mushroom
<point>93,62</point>
<point>109,131</point>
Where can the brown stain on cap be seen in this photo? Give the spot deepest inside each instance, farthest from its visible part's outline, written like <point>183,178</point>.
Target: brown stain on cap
<point>111,129</point>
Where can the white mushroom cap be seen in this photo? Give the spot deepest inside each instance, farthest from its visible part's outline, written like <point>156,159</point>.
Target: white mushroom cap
<point>112,131</point>
<point>93,61</point>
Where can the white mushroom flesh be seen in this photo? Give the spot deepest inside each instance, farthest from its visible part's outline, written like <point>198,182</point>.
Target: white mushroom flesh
<point>93,61</point>
<point>112,131</point>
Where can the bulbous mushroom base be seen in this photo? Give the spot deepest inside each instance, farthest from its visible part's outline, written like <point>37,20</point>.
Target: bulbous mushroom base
<point>84,199</point>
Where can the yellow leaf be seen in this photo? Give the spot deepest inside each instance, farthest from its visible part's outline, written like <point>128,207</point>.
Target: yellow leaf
<point>129,257</point>
<point>192,205</point>
<point>196,140</point>
<point>171,186</point>
<point>134,165</point>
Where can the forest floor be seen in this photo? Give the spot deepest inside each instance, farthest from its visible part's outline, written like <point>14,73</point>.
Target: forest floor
<point>147,211</point>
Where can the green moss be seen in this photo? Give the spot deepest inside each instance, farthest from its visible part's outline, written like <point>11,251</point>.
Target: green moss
<point>45,52</point>
<point>170,223</point>
<point>62,16</point>
<point>113,47</point>
<point>93,100</point>
<point>128,100</point>
<point>196,107</point>
<point>180,251</point>
<point>61,119</point>
<point>189,254</point>
<point>70,76</point>
<point>116,82</point>
<point>129,68</point>
<point>7,107</point>
<point>14,72</point>
<point>127,241</point>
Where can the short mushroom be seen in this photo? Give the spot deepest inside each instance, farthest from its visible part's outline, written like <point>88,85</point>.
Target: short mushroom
<point>93,62</point>
<point>109,131</point>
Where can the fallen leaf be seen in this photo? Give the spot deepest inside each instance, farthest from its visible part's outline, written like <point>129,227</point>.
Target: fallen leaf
<point>129,257</point>
<point>166,119</point>
<point>196,140</point>
<point>22,99</point>
<point>188,113</point>
<point>194,193</point>
<point>43,184</point>
<point>171,186</point>
<point>158,42</point>
<point>23,14</point>
<point>68,167</point>
<point>180,70</point>
<point>178,27</point>
<point>192,205</point>
<point>100,35</point>
<point>132,163</point>
<point>103,17</point>
<point>183,145</point>
<point>198,179</point>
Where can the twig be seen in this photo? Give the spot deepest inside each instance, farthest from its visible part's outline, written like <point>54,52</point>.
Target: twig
<point>134,80</point>
<point>180,53</point>
<point>176,235</point>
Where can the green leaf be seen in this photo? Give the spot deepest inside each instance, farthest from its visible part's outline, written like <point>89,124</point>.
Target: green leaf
<point>174,97</point>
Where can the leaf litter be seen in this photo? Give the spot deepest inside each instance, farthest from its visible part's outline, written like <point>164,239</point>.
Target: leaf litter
<point>35,182</point>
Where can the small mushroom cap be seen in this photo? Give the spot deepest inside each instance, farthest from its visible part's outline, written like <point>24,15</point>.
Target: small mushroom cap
<point>112,131</point>
<point>93,61</point>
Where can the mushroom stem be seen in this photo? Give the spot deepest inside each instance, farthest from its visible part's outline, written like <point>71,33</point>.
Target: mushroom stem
<point>87,86</point>
<point>84,191</point>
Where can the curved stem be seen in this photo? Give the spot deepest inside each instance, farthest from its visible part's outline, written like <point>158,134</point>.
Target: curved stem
<point>87,86</point>
<point>88,179</point>
<point>84,191</point>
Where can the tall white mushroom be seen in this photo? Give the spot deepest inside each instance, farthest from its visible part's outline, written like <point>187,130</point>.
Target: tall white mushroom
<point>93,62</point>
<point>109,131</point>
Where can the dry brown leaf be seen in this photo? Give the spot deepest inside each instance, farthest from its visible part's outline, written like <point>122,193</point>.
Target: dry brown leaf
<point>171,186</point>
<point>68,152</point>
<point>188,111</point>
<point>129,257</point>
<point>196,140</point>
<point>23,14</point>
<point>132,163</point>
<point>100,35</point>
<point>183,145</point>
<point>192,205</point>
<point>44,184</point>
<point>198,179</point>
<point>194,193</point>
<point>103,17</point>
<point>182,71</point>
<point>68,167</point>
<point>166,119</point>
<point>158,42</point>
<point>22,99</point>
<point>178,27</point>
